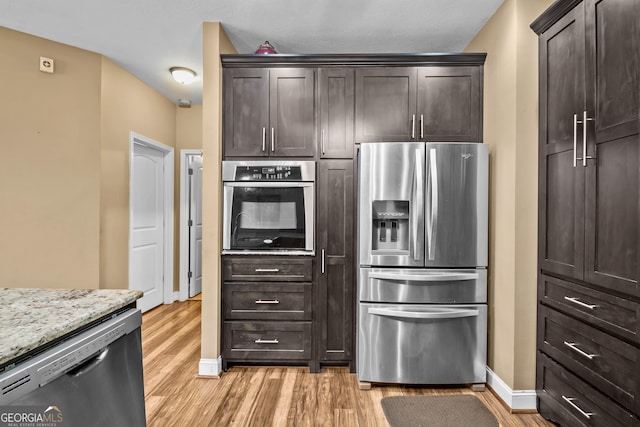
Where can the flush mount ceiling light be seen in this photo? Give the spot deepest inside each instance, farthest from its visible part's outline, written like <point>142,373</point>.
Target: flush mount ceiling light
<point>183,75</point>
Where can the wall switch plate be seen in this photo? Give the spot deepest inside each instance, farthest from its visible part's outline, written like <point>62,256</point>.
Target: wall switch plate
<point>46,64</point>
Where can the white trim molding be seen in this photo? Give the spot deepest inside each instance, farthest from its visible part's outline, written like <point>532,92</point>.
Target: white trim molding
<point>516,400</point>
<point>210,367</point>
<point>183,227</point>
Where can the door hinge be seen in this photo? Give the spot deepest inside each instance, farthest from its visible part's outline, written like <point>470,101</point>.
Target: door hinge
<point>190,171</point>
<point>190,223</point>
<point>189,275</point>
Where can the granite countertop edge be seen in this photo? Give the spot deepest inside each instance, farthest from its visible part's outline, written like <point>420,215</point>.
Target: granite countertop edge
<point>30,318</point>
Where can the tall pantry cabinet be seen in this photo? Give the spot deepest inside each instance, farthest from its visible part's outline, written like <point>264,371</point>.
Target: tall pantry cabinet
<point>589,213</point>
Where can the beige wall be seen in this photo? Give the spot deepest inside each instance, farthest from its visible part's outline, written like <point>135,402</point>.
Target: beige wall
<point>64,162</point>
<point>127,105</point>
<point>510,130</point>
<point>214,43</point>
<point>49,164</point>
<point>188,137</point>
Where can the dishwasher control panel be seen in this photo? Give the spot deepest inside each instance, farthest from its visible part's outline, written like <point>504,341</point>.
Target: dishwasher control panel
<point>88,347</point>
<point>79,355</point>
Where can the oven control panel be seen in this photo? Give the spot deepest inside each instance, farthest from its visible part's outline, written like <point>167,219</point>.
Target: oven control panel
<point>268,173</point>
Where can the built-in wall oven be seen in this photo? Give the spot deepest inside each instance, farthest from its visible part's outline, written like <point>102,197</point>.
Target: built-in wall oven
<point>268,207</point>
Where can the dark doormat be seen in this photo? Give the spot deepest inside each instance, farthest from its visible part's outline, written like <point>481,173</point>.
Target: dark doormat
<point>437,411</point>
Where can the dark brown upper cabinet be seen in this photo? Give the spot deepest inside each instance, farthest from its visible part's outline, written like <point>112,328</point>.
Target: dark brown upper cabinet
<point>433,103</point>
<point>337,109</point>
<point>589,150</point>
<point>449,104</point>
<point>269,112</point>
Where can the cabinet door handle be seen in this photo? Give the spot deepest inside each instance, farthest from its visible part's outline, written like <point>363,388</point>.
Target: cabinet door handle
<point>322,141</point>
<point>573,346</point>
<point>580,303</point>
<point>585,119</point>
<point>570,400</point>
<point>267,270</point>
<point>264,139</point>
<point>413,126</point>
<point>421,126</point>
<point>267,301</point>
<point>575,139</point>
<point>261,341</point>
<point>322,262</point>
<point>273,140</point>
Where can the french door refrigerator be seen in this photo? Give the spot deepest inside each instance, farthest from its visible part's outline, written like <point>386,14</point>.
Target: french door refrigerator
<point>422,280</point>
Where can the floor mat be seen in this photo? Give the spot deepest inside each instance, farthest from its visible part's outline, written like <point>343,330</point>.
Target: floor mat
<point>437,411</point>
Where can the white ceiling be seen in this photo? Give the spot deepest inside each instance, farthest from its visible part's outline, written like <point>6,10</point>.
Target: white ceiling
<point>147,37</point>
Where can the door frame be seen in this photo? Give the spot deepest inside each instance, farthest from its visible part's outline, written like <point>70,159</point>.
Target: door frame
<point>140,140</point>
<point>183,223</point>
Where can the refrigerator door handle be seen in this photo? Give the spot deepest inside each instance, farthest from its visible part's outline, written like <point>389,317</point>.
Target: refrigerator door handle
<point>432,220</point>
<point>430,277</point>
<point>440,314</point>
<point>418,207</point>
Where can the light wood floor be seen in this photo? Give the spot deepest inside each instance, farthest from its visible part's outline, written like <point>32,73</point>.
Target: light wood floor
<point>262,396</point>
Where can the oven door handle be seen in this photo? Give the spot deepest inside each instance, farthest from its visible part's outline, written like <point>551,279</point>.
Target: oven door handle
<point>440,314</point>
<point>279,184</point>
<point>429,277</point>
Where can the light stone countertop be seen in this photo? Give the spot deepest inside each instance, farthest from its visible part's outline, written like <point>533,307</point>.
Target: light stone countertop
<point>30,318</point>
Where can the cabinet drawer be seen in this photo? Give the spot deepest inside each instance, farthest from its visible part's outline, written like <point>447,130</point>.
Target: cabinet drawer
<point>569,401</point>
<point>267,340</point>
<point>608,363</point>
<point>616,315</point>
<point>266,301</point>
<point>267,269</point>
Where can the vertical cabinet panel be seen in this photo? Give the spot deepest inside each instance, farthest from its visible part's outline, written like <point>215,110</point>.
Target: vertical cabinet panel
<point>613,215</point>
<point>385,104</point>
<point>449,104</point>
<point>612,65</point>
<point>337,110</point>
<point>292,112</point>
<point>612,178</point>
<point>561,202</point>
<point>246,111</point>
<point>335,288</point>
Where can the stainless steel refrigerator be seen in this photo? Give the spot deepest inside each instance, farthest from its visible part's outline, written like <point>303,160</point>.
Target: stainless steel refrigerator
<point>422,280</point>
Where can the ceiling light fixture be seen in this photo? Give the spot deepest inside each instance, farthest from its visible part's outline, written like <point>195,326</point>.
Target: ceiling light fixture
<point>183,75</point>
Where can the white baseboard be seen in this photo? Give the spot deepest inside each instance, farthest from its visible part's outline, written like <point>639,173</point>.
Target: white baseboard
<point>210,367</point>
<point>515,399</point>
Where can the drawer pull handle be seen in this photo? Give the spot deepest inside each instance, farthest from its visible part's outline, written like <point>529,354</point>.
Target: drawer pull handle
<point>580,303</point>
<point>267,270</point>
<point>574,347</point>
<point>267,301</point>
<point>261,341</point>
<point>570,400</point>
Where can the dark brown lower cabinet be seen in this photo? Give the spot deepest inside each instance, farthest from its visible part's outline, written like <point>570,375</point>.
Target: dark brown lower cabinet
<point>335,287</point>
<point>267,312</point>
<point>569,401</point>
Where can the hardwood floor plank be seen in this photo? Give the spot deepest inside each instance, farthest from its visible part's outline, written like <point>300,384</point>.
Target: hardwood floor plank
<point>283,406</point>
<point>264,396</point>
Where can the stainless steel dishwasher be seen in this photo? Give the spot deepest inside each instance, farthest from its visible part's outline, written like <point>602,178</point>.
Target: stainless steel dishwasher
<point>93,378</point>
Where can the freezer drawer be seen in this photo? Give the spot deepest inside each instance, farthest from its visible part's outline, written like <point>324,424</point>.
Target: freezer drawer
<point>422,286</point>
<point>422,344</point>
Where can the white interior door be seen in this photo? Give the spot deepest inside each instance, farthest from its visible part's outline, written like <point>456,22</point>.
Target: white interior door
<point>147,225</point>
<point>195,225</point>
